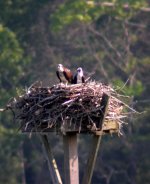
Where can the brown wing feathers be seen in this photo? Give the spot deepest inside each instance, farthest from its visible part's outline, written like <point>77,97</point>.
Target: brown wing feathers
<point>68,75</point>
<point>57,73</point>
<point>65,75</point>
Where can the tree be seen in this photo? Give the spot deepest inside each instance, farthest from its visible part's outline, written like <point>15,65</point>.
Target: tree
<point>108,38</point>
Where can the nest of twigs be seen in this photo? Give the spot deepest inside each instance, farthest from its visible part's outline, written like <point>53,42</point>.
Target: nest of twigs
<point>75,107</point>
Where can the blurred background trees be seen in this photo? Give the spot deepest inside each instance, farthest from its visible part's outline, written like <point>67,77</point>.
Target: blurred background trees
<point>110,38</point>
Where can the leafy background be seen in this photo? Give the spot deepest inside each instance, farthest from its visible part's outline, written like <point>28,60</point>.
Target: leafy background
<point>110,38</point>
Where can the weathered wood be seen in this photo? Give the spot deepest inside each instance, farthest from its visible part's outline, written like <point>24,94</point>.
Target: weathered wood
<point>103,107</point>
<point>95,143</point>
<point>91,159</point>
<point>71,167</point>
<point>108,125</point>
<point>55,175</point>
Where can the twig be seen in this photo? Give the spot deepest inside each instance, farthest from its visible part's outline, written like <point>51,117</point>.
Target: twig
<point>75,105</point>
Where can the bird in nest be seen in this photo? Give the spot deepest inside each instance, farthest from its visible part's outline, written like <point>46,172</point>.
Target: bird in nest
<point>79,76</point>
<point>64,74</point>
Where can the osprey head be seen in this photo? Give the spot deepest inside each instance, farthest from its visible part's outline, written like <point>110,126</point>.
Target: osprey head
<point>60,68</point>
<point>80,71</point>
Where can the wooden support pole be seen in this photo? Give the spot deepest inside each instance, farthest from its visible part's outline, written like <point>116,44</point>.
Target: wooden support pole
<point>103,110</point>
<point>95,143</point>
<point>54,172</point>
<point>71,167</point>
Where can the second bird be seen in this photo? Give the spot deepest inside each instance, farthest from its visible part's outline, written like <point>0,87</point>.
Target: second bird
<point>79,77</point>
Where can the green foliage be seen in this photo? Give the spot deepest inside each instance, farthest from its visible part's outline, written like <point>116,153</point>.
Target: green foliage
<point>10,50</point>
<point>88,11</point>
<point>135,89</point>
<point>116,49</point>
<point>69,12</point>
<point>9,156</point>
<point>10,58</point>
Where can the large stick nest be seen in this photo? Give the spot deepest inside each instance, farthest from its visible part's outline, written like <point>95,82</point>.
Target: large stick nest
<point>77,106</point>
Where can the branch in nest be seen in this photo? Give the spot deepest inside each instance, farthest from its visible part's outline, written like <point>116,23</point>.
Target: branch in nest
<point>73,106</point>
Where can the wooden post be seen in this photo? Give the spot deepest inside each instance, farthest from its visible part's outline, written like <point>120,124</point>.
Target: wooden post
<point>55,176</point>
<point>95,143</point>
<point>71,167</point>
<point>103,110</point>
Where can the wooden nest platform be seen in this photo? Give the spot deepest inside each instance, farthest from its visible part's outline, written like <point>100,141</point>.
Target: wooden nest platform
<point>71,108</point>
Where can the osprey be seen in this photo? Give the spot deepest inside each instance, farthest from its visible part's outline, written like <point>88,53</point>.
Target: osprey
<point>79,77</point>
<point>64,74</point>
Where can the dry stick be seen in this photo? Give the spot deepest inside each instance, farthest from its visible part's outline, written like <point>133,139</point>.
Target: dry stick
<point>95,143</point>
<point>75,101</point>
<point>55,175</point>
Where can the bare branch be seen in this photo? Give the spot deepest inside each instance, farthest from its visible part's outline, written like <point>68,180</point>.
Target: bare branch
<point>126,6</point>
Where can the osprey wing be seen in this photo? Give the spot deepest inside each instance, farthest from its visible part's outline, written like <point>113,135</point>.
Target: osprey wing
<point>58,75</point>
<point>74,80</point>
<point>83,79</point>
<point>68,75</point>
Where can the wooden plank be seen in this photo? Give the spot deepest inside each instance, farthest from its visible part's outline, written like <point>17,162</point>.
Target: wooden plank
<point>89,168</point>
<point>54,172</point>
<point>71,167</point>
<point>95,143</point>
<point>108,125</point>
